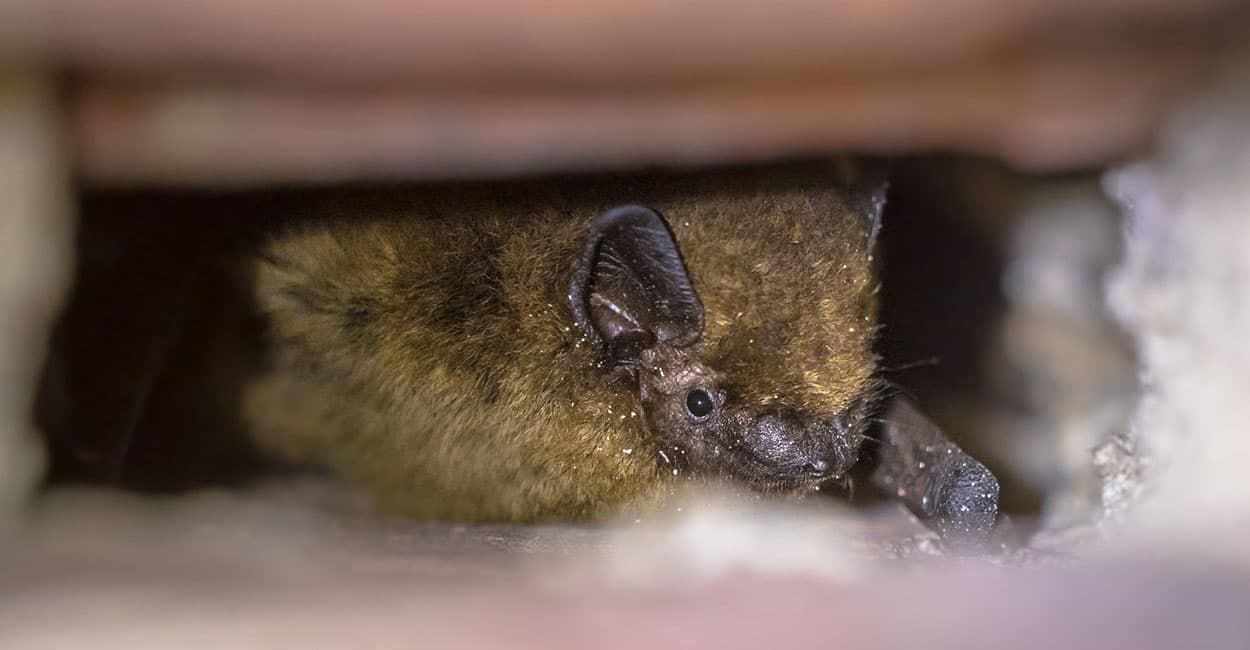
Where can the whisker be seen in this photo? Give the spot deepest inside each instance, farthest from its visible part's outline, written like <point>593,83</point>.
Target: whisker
<point>863,438</point>
<point>919,363</point>
<point>891,389</point>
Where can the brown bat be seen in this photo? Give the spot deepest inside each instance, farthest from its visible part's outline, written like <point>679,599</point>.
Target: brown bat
<point>571,350</point>
<point>564,354</point>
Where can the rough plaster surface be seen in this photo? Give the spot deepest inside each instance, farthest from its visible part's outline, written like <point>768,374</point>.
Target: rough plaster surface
<point>34,251</point>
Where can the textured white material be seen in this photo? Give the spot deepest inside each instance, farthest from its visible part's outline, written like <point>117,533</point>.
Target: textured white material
<point>1184,293</point>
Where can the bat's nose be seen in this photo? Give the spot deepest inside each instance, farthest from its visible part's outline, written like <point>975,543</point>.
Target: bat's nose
<point>799,450</point>
<point>817,468</point>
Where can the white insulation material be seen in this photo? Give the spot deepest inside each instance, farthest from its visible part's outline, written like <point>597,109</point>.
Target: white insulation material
<point>1183,469</point>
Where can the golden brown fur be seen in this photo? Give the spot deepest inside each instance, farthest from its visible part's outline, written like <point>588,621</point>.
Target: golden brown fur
<point>428,350</point>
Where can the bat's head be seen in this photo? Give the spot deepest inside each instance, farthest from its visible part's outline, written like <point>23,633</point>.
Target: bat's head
<point>747,319</point>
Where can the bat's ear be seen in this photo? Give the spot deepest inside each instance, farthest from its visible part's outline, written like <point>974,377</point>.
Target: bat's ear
<point>631,289</point>
<point>866,184</point>
<point>874,206</point>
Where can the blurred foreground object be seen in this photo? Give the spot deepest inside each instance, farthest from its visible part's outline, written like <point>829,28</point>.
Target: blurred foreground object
<point>35,245</point>
<point>235,92</point>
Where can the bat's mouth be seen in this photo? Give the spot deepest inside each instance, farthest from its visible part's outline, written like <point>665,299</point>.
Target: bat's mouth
<point>796,485</point>
<point>800,474</point>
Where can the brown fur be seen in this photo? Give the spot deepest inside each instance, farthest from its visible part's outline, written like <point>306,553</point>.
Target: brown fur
<point>429,352</point>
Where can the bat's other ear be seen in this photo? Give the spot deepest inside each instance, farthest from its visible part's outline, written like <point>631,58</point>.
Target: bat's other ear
<point>866,184</point>
<point>631,289</point>
<point>874,207</point>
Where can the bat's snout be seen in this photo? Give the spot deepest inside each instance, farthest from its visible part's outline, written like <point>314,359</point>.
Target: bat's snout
<point>795,450</point>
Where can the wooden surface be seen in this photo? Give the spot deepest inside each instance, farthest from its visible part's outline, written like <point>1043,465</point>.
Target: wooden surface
<point>235,92</point>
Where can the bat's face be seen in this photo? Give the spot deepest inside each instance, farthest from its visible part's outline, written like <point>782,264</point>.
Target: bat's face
<point>703,423</point>
<point>773,395</point>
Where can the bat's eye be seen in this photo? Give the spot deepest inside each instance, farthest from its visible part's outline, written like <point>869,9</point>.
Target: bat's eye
<point>699,403</point>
